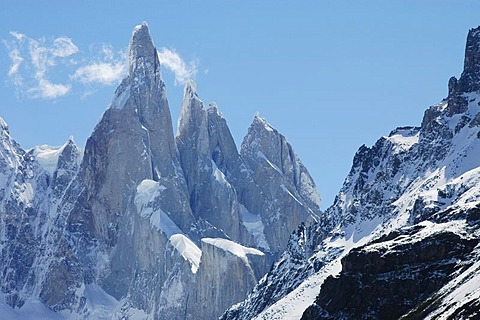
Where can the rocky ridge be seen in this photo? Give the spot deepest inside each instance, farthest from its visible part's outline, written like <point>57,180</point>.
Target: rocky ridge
<point>142,223</point>
<point>406,217</point>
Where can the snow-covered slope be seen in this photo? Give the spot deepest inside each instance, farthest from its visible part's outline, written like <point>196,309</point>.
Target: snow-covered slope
<point>145,225</point>
<point>414,188</point>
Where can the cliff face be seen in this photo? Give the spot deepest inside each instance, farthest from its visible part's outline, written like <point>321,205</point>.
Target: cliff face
<point>402,234</point>
<point>155,224</point>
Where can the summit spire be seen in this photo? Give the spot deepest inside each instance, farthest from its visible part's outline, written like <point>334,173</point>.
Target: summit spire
<point>142,52</point>
<point>470,79</point>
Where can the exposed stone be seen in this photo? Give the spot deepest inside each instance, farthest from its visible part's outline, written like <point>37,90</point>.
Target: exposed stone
<point>470,79</point>
<point>224,278</point>
<point>387,282</point>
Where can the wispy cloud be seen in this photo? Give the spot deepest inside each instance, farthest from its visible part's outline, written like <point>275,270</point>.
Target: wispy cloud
<point>15,57</point>
<point>63,47</point>
<point>17,60</point>
<point>108,69</point>
<point>50,68</point>
<point>47,90</point>
<point>35,62</point>
<point>183,71</point>
<point>39,55</point>
<point>103,72</point>
<point>17,35</point>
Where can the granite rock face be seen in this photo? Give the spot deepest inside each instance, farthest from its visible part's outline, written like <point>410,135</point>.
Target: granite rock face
<point>392,277</point>
<point>212,198</point>
<point>226,266</point>
<point>470,78</point>
<point>277,181</point>
<point>23,214</point>
<point>141,224</point>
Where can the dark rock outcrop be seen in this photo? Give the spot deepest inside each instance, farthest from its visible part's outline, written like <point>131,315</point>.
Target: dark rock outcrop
<point>392,275</point>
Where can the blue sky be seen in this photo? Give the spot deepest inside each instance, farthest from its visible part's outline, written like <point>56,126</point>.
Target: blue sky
<point>329,75</point>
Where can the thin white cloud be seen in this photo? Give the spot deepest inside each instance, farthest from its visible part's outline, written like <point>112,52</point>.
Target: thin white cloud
<point>108,69</point>
<point>63,47</point>
<point>15,56</point>
<point>103,72</point>
<point>17,35</point>
<point>183,71</point>
<point>16,61</point>
<point>49,68</point>
<point>43,58</point>
<point>107,52</point>
<point>49,90</point>
<point>39,56</point>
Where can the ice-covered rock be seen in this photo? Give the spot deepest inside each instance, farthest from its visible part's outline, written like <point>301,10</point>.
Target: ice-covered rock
<point>277,182</point>
<point>228,271</point>
<point>212,197</point>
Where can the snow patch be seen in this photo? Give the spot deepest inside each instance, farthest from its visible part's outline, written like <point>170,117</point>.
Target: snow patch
<point>26,195</point>
<point>362,228</point>
<point>403,142</point>
<point>219,176</point>
<point>429,229</point>
<point>187,249</point>
<point>255,227</point>
<point>233,247</point>
<point>47,156</point>
<point>147,192</point>
<point>466,289</point>
<point>290,194</point>
<point>121,98</point>
<point>294,304</point>
<point>262,156</point>
<point>100,304</point>
<point>31,310</point>
<point>263,122</point>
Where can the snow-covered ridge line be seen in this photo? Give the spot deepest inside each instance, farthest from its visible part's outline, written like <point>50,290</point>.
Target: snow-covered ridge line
<point>233,247</point>
<point>145,201</point>
<point>187,249</point>
<point>47,156</point>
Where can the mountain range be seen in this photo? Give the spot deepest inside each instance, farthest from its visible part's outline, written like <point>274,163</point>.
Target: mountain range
<point>143,223</point>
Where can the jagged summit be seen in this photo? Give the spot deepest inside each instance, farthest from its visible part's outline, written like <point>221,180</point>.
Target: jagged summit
<point>142,59</point>
<point>470,78</point>
<point>192,112</point>
<point>260,123</point>
<point>404,131</point>
<point>190,88</point>
<point>124,218</point>
<point>3,125</point>
<point>141,43</point>
<point>213,107</point>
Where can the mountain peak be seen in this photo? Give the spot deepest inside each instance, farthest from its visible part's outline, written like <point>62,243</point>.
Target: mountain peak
<point>261,123</point>
<point>190,88</point>
<point>142,52</point>
<point>472,49</point>
<point>470,79</point>
<point>3,125</point>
